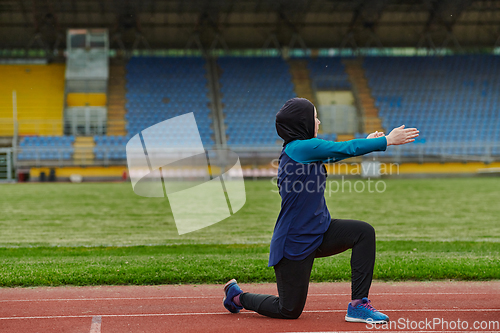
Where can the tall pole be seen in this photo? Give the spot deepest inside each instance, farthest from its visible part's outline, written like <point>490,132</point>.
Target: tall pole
<point>14,118</point>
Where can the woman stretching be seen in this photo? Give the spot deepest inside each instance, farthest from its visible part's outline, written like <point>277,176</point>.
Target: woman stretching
<point>304,229</point>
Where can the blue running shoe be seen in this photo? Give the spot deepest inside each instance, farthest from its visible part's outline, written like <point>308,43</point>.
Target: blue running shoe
<point>364,312</point>
<point>232,289</point>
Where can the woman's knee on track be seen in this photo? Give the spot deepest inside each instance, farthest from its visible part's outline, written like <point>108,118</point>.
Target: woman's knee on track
<point>292,310</point>
<point>291,314</point>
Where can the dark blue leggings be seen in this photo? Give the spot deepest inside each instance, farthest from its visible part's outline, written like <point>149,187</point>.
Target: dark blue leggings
<point>292,276</point>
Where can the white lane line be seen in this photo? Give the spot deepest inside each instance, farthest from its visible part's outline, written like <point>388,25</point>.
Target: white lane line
<point>211,297</point>
<point>397,332</point>
<point>124,315</point>
<point>416,310</point>
<point>96,325</point>
<point>109,299</point>
<point>242,313</point>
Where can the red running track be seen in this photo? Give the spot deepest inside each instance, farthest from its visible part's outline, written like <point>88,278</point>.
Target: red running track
<point>412,306</point>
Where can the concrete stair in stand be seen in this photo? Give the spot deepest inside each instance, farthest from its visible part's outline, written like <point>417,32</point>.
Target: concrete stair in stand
<point>344,137</point>
<point>83,150</point>
<point>116,101</point>
<point>301,79</point>
<point>362,93</point>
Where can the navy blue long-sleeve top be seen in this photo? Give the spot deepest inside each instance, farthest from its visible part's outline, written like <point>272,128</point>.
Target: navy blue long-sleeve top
<point>304,216</point>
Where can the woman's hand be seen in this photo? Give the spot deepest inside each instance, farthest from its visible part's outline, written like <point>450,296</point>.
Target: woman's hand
<point>401,135</point>
<point>375,134</point>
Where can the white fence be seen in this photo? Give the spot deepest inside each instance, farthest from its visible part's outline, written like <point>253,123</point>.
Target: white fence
<point>6,165</point>
<point>85,120</point>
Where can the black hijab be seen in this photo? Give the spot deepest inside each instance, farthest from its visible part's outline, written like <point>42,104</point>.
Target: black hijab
<point>295,120</point>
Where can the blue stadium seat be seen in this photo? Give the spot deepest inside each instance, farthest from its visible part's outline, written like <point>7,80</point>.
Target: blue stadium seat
<point>450,99</point>
<point>253,90</point>
<point>328,73</point>
<point>160,88</point>
<point>46,148</point>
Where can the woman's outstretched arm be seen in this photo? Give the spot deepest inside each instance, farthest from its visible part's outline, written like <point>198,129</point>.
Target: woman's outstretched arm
<point>307,151</point>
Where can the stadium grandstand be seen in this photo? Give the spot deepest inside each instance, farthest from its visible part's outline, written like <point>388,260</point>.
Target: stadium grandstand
<point>80,78</point>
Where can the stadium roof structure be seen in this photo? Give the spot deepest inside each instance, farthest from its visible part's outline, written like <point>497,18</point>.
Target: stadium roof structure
<point>237,24</point>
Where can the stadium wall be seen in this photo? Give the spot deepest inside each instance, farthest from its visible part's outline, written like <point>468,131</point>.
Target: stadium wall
<point>348,169</point>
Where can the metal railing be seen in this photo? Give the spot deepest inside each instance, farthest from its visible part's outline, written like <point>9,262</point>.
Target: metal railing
<point>31,127</point>
<point>72,125</point>
<point>92,126</point>
<point>485,152</point>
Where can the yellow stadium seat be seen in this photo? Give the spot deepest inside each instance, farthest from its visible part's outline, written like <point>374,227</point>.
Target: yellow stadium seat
<point>40,99</point>
<point>86,99</point>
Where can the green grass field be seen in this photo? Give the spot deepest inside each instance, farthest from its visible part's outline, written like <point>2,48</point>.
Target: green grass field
<point>102,233</point>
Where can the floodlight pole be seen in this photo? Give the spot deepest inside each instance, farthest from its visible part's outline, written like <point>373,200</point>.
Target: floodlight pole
<point>14,118</point>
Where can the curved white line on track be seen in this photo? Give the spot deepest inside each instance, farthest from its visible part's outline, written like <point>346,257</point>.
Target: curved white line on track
<point>227,313</point>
